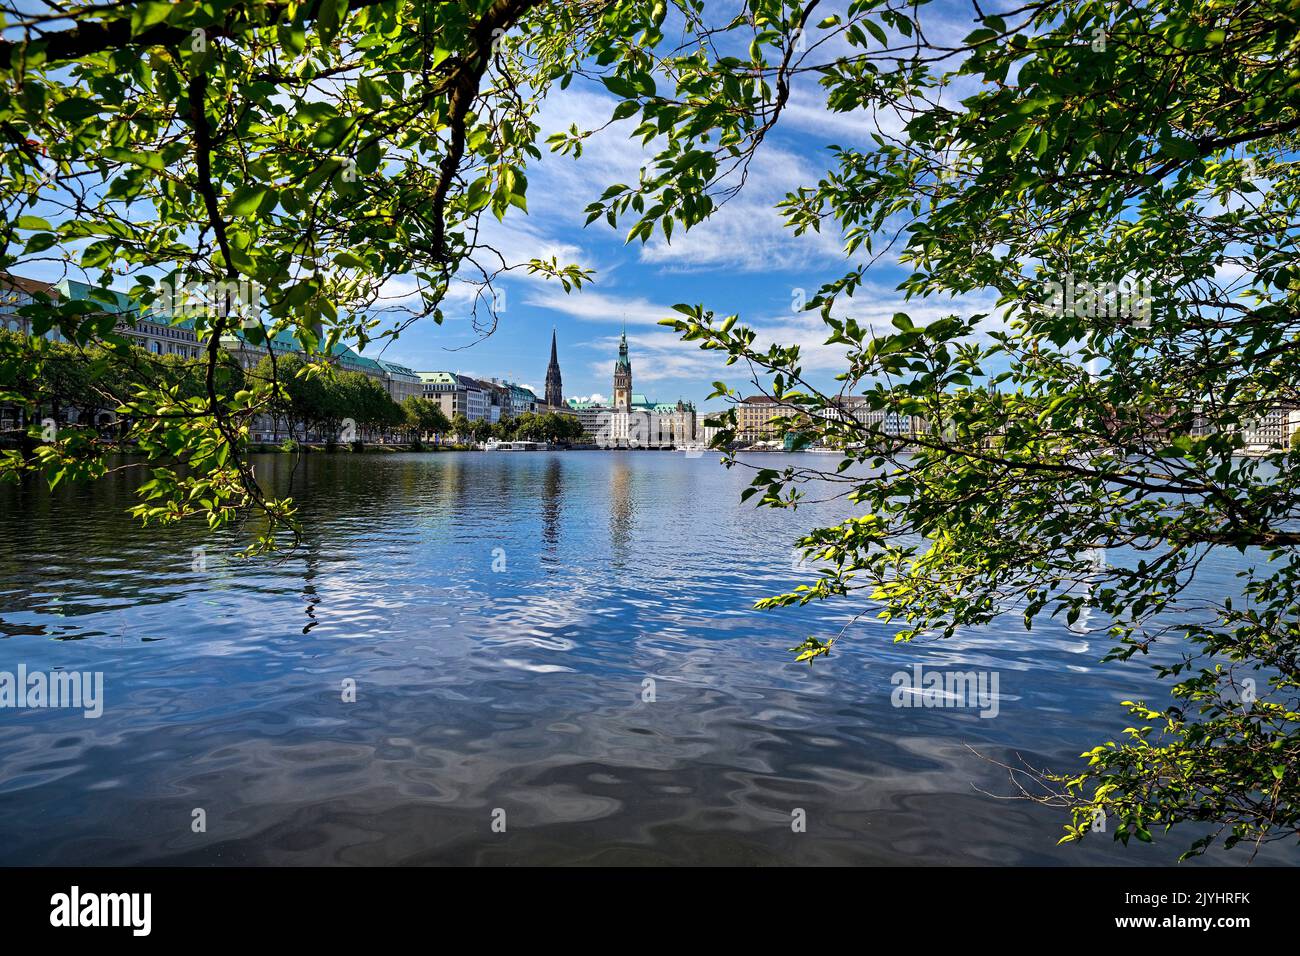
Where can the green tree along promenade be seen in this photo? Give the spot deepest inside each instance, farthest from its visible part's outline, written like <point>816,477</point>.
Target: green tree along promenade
<point>1119,177</point>
<point>315,401</point>
<point>81,389</point>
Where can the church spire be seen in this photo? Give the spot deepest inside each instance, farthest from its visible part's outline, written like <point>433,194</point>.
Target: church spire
<point>554,387</point>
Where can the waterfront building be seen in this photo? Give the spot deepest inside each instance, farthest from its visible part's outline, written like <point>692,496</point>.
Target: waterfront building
<point>1270,431</point>
<point>439,388</point>
<point>496,400</point>
<point>706,433</point>
<point>521,398</point>
<point>154,331</point>
<point>762,418</point>
<point>887,422</point>
<point>18,293</point>
<point>633,420</point>
<point>399,381</point>
<point>589,414</point>
<point>476,398</point>
<point>458,394</point>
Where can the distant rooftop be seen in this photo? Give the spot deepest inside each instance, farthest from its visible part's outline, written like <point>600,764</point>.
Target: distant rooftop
<point>394,369</point>
<point>30,286</point>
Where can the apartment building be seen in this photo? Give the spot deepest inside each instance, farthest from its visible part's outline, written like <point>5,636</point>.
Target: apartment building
<point>758,418</point>
<point>154,332</point>
<point>399,381</point>
<point>1271,430</point>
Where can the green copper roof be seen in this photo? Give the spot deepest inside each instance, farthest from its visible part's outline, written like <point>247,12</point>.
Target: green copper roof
<point>351,360</point>
<point>111,300</point>
<point>118,303</point>
<point>285,341</point>
<point>395,369</point>
<point>623,363</point>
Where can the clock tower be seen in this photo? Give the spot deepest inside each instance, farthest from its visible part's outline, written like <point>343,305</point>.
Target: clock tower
<point>623,378</point>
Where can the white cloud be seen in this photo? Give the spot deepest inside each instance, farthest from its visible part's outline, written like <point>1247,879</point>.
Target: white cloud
<point>659,355</point>
<point>748,233</point>
<point>593,306</point>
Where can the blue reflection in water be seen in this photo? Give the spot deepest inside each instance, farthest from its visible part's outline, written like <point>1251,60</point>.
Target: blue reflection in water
<point>500,615</point>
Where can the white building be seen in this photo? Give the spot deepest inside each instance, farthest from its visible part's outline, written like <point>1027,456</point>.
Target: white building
<point>1270,431</point>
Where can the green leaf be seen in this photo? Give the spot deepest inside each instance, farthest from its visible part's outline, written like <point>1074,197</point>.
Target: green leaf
<point>245,200</point>
<point>148,14</point>
<point>620,87</point>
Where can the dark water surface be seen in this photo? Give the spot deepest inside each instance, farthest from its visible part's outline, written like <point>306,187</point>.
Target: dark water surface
<point>517,689</point>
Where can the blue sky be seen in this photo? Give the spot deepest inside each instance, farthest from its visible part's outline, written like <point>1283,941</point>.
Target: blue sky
<point>742,260</point>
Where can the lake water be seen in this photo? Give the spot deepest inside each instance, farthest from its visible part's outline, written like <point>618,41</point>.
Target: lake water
<point>500,615</point>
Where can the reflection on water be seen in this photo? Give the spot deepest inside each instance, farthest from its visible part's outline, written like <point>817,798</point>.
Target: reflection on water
<point>552,485</point>
<point>499,614</point>
<point>620,509</point>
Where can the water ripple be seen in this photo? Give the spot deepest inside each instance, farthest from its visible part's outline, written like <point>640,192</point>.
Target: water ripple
<point>564,639</point>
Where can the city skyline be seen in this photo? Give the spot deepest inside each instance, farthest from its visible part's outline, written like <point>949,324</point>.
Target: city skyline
<point>743,260</point>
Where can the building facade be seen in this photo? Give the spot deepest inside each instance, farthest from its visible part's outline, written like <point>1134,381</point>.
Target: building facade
<point>158,332</point>
<point>633,420</point>
<point>521,398</point>
<point>155,332</point>
<point>1271,430</point>
<point>622,394</point>
<point>496,400</point>
<point>760,418</point>
<point>18,293</point>
<point>399,381</point>
<point>878,420</point>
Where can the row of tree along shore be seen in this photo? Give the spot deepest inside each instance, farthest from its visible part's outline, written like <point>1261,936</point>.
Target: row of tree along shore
<point>80,388</point>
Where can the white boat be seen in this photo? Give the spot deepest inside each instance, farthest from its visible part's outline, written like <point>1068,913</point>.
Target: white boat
<point>516,446</point>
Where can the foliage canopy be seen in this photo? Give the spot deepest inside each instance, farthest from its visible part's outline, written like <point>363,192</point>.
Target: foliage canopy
<point>321,148</point>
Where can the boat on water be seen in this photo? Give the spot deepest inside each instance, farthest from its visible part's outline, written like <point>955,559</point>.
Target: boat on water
<point>515,446</point>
